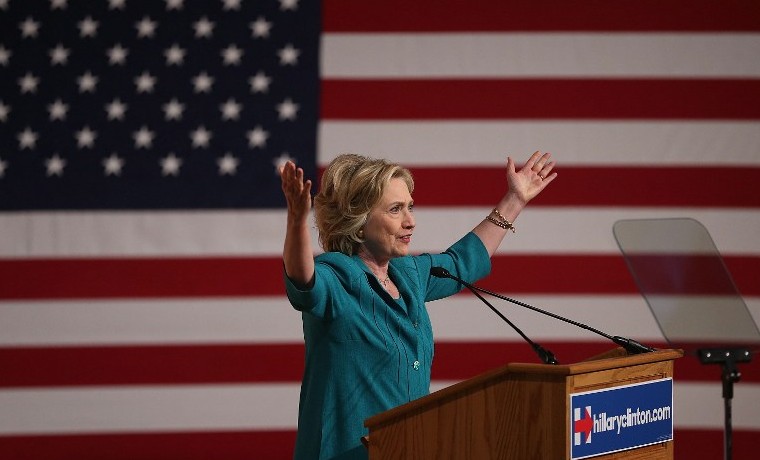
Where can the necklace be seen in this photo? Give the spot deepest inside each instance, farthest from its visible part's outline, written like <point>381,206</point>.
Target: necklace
<point>384,282</point>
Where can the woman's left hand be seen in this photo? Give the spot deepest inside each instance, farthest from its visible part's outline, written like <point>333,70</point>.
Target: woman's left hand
<point>532,178</point>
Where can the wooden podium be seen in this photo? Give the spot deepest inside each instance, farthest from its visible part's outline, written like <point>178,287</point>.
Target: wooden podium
<point>519,411</point>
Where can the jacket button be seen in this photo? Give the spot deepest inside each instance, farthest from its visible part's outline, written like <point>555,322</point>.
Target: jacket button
<point>416,365</point>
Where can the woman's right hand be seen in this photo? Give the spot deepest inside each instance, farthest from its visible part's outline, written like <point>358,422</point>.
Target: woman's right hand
<point>297,191</point>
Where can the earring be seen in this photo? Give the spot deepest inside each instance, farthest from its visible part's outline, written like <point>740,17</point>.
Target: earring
<point>360,233</point>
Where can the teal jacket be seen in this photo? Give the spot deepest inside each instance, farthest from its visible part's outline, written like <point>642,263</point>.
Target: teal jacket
<point>366,352</point>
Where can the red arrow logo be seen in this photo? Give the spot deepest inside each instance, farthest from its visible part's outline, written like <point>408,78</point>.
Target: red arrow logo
<point>584,425</point>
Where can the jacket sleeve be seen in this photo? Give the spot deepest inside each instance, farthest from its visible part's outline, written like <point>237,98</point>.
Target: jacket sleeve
<point>468,259</point>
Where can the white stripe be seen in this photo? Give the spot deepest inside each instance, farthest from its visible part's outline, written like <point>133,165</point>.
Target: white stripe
<point>557,230</point>
<point>595,143</point>
<point>579,230</point>
<point>273,320</point>
<point>266,407</point>
<point>700,405</point>
<point>149,409</point>
<point>267,320</point>
<point>489,55</point>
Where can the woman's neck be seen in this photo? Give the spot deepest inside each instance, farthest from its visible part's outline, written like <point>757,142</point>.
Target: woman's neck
<point>379,268</point>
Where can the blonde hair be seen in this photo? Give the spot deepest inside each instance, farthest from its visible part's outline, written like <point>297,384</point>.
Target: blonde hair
<point>350,187</point>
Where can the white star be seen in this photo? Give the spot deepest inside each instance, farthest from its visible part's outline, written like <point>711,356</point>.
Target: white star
<point>287,110</point>
<point>227,164</point>
<point>116,4</point>
<point>27,139</point>
<point>116,109</point>
<point>280,161</point>
<point>288,55</point>
<point>260,28</point>
<point>29,28</point>
<point>257,137</point>
<point>59,55</point>
<point>232,55</point>
<point>174,55</point>
<point>112,165</point>
<point>203,28</point>
<point>4,111</point>
<point>231,5</point>
<point>146,27</point>
<point>202,82</point>
<point>143,138</point>
<point>259,83</point>
<point>58,4</point>
<point>88,27</point>
<point>170,165</point>
<point>5,56</point>
<point>3,167</point>
<point>85,137</point>
<point>173,110</point>
<point>55,165</point>
<point>145,83</point>
<point>28,83</point>
<point>117,54</point>
<point>58,110</point>
<point>201,137</point>
<point>175,4</point>
<point>288,5</point>
<point>3,4</point>
<point>230,110</point>
<point>87,82</point>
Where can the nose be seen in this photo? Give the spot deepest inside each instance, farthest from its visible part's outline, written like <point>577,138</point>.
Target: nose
<point>408,220</point>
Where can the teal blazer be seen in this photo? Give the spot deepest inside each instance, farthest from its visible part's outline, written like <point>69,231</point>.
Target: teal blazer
<point>365,351</point>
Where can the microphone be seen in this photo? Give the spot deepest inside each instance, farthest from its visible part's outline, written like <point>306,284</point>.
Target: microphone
<point>629,345</point>
<point>546,356</point>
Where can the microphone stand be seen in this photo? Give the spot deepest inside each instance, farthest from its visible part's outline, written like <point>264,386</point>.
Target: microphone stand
<point>545,355</point>
<point>631,346</point>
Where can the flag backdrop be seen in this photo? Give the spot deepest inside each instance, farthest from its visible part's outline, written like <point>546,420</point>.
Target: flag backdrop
<point>141,303</point>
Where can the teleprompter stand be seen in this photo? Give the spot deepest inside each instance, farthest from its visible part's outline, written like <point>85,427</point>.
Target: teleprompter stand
<point>727,358</point>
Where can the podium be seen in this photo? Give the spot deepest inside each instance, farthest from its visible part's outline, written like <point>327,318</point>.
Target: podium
<point>518,411</point>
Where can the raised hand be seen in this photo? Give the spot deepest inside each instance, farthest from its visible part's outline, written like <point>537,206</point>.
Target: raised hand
<point>297,191</point>
<point>532,178</point>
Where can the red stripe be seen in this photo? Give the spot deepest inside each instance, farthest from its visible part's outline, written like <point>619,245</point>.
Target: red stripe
<point>635,186</point>
<point>246,445</point>
<point>135,365</point>
<point>439,99</point>
<point>272,445</point>
<point>273,363</point>
<point>222,277</point>
<point>539,15</point>
<point>682,274</point>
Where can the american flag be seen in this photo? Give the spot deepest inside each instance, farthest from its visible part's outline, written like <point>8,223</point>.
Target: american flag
<point>142,309</point>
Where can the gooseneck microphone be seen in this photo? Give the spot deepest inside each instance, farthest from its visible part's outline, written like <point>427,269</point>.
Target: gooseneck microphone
<point>629,345</point>
<point>546,356</point>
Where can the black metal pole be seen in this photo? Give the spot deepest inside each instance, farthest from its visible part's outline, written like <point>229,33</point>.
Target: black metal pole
<point>727,358</point>
<point>730,375</point>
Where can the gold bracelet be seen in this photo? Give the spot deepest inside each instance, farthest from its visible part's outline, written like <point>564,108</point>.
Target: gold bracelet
<point>507,224</point>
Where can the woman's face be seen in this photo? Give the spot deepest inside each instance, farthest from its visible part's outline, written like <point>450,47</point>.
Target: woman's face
<point>389,226</point>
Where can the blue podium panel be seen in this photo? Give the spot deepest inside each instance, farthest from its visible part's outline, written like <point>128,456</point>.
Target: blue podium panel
<point>621,418</point>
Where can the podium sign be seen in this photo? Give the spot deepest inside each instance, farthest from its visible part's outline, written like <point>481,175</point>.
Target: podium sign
<point>621,418</point>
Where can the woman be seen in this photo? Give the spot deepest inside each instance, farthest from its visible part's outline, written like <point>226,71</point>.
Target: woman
<point>369,341</point>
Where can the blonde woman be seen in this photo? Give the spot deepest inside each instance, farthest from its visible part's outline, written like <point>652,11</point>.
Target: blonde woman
<point>369,341</point>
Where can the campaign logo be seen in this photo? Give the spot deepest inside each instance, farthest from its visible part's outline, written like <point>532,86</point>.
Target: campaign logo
<point>623,417</point>
<point>582,425</point>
